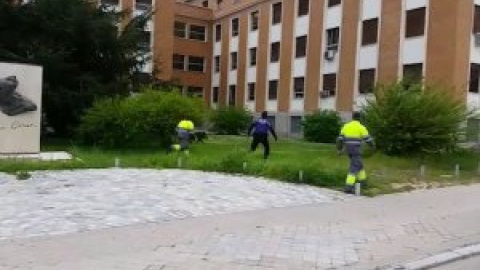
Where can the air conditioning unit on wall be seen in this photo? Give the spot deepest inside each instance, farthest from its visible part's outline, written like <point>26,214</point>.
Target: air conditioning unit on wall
<point>330,55</point>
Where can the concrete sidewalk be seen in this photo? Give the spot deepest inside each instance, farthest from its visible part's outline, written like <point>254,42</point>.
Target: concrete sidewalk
<point>359,233</point>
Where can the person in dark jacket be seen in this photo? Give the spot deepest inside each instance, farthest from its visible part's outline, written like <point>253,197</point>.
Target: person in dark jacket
<point>261,127</point>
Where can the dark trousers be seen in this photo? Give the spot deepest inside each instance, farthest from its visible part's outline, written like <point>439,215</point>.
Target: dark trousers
<point>263,139</point>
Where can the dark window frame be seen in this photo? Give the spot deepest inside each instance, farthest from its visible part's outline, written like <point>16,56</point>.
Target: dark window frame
<point>218,32</point>
<point>366,80</point>
<point>273,90</point>
<point>277,10</point>
<point>216,63</point>
<point>333,38</point>
<point>235,27</point>
<point>232,98</point>
<point>303,7</point>
<point>251,91</point>
<point>199,34</point>
<point>298,87</point>
<point>332,3</point>
<point>252,56</point>
<point>177,60</point>
<point>254,20</point>
<point>180,29</point>
<point>233,60</point>
<point>301,44</point>
<point>275,52</point>
<point>329,85</point>
<point>215,94</point>
<point>370,32</point>
<point>415,22</point>
<point>194,67</point>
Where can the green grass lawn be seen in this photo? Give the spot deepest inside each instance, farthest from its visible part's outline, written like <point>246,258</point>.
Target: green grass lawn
<point>318,163</point>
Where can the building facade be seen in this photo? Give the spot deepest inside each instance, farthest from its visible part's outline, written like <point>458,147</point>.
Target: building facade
<point>292,57</point>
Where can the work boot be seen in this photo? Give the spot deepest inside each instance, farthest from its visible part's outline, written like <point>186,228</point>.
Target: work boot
<point>349,189</point>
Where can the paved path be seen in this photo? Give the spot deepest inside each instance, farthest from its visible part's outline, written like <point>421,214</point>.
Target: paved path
<point>73,201</point>
<point>327,231</point>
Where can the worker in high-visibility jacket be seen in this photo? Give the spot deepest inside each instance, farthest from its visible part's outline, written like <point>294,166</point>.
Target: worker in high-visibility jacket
<point>184,129</point>
<point>352,136</point>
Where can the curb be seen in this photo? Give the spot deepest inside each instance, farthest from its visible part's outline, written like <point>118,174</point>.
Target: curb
<point>440,259</point>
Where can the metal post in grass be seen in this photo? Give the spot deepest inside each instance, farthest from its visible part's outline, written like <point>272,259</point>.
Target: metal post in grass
<point>478,169</point>
<point>358,189</point>
<point>457,170</point>
<point>244,166</point>
<point>300,176</point>
<point>422,170</point>
<point>179,162</point>
<point>117,162</point>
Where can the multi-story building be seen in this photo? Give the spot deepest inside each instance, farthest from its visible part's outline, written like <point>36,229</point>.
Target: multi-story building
<point>291,57</point>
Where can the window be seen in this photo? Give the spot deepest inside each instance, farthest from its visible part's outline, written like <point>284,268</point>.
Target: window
<point>301,47</point>
<point>272,90</point>
<point>180,29</point>
<point>254,21</point>
<point>303,6</point>
<point>275,52</point>
<point>476,20</point>
<point>234,60</point>
<point>366,81</point>
<point>415,23</point>
<point>370,32</point>
<point>329,85</point>
<point>253,57</point>
<point>295,124</point>
<point>145,40</point>
<point>413,73</point>
<point>251,91</point>
<point>217,63</point>
<point>474,77</point>
<point>333,36</point>
<point>235,27</point>
<point>195,91</point>
<point>332,3</point>
<point>299,87</point>
<point>197,32</point>
<point>277,13</point>
<point>205,3</point>
<point>179,62</point>
<point>232,94</point>
<point>143,4</point>
<point>109,2</point>
<point>215,94</point>
<point>196,63</point>
<point>218,32</point>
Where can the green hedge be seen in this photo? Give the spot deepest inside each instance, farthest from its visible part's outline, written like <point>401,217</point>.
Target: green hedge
<point>230,120</point>
<point>146,117</point>
<point>322,126</point>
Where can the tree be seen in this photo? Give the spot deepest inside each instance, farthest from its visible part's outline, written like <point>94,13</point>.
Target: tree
<point>80,48</point>
<point>415,119</point>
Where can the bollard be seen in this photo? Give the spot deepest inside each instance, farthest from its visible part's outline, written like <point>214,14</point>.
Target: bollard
<point>244,166</point>
<point>358,189</point>
<point>422,170</point>
<point>179,162</point>
<point>300,176</point>
<point>478,170</point>
<point>117,162</point>
<point>457,170</point>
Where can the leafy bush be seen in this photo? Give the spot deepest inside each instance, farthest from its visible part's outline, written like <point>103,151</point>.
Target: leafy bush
<point>230,120</point>
<point>146,117</point>
<point>322,126</point>
<point>413,120</point>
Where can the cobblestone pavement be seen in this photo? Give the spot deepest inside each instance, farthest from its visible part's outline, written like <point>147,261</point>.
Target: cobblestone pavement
<point>305,234</point>
<point>72,201</point>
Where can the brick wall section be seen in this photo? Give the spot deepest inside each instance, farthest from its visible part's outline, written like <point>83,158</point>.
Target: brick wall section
<point>448,45</point>
<point>286,54</point>
<point>262,55</point>
<point>314,55</point>
<point>348,55</point>
<point>389,44</point>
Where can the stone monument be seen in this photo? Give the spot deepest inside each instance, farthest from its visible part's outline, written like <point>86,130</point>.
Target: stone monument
<point>20,108</point>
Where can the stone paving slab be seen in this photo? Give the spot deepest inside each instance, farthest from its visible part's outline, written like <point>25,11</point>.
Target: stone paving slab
<point>59,202</point>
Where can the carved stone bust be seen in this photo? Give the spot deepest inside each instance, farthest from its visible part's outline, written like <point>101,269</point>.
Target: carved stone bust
<point>11,102</point>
